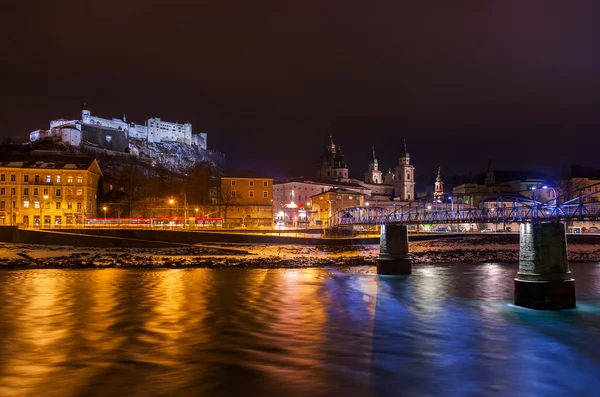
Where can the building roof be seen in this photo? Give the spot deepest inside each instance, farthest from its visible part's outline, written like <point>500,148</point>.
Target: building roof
<point>48,159</point>
<point>339,191</point>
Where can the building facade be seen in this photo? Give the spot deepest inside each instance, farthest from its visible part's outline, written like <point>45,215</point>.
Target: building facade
<point>246,201</point>
<point>40,189</point>
<point>327,204</point>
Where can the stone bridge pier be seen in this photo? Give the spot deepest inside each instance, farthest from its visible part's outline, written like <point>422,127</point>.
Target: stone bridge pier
<point>544,281</point>
<point>393,251</point>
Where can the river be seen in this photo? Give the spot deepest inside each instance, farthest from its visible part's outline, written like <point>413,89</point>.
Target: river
<point>447,330</point>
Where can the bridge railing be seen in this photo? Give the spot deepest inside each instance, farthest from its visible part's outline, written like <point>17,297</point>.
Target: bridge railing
<point>507,210</point>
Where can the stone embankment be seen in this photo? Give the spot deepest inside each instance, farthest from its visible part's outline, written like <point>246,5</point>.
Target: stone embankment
<point>468,249</point>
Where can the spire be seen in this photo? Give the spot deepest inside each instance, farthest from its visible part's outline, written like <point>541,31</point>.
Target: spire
<point>373,159</point>
<point>490,178</point>
<point>438,178</point>
<point>405,151</point>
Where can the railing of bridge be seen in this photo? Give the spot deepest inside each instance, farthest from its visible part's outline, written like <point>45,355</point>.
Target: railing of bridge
<point>502,209</point>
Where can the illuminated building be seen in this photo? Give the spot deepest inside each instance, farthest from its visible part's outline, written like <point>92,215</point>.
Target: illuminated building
<point>246,200</point>
<point>49,189</point>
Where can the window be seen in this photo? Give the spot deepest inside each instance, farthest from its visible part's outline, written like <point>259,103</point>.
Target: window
<point>251,183</point>
<point>13,178</point>
<point>26,191</point>
<point>79,179</point>
<point>25,204</point>
<point>233,183</point>
<point>69,192</point>
<point>79,206</point>
<point>48,179</point>
<point>45,192</point>
<point>80,192</point>
<point>58,205</point>
<point>47,205</point>
<point>2,204</point>
<point>36,179</point>
<point>408,176</point>
<point>2,191</point>
<point>265,194</point>
<point>13,191</point>
<point>3,178</point>
<point>35,191</point>
<point>70,205</point>
<point>265,183</point>
<point>57,178</point>
<point>57,192</point>
<point>233,193</point>
<point>251,193</point>
<point>70,179</point>
<point>25,178</point>
<point>36,204</point>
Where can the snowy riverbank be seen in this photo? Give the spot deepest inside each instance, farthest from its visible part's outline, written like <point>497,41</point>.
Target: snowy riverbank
<point>473,249</point>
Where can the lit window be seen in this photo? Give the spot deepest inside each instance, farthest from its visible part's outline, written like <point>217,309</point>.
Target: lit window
<point>70,179</point>
<point>57,178</point>
<point>79,179</point>
<point>36,204</point>
<point>69,192</point>
<point>25,204</point>
<point>48,179</point>
<point>80,192</point>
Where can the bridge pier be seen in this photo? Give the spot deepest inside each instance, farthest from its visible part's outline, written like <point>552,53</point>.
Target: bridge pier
<point>544,281</point>
<point>393,250</point>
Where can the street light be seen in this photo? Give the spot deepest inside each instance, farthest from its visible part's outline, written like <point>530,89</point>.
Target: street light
<point>104,208</point>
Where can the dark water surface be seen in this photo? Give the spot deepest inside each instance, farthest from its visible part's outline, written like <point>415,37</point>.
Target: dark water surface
<point>445,330</point>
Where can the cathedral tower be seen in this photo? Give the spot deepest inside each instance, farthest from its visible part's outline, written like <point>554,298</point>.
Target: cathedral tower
<point>332,164</point>
<point>438,192</point>
<point>373,175</point>
<point>404,177</point>
<point>490,178</point>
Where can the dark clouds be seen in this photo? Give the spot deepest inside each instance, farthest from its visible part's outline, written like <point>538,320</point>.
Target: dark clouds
<point>268,80</point>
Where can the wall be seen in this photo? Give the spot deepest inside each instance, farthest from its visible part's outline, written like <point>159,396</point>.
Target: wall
<point>104,137</point>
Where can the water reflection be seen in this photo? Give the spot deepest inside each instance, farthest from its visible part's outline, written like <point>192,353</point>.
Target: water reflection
<point>443,330</point>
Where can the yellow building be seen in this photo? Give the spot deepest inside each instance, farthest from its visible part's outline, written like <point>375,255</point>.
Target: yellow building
<point>327,204</point>
<point>246,201</point>
<point>48,189</point>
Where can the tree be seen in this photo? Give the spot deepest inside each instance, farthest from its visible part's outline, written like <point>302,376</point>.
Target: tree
<point>131,181</point>
<point>228,198</point>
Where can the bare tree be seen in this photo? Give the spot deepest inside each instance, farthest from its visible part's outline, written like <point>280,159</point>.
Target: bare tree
<point>227,198</point>
<point>131,181</point>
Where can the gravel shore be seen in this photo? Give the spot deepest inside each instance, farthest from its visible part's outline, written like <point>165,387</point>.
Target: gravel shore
<point>459,250</point>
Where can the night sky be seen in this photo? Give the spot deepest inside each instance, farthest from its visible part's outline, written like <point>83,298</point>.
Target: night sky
<point>269,80</point>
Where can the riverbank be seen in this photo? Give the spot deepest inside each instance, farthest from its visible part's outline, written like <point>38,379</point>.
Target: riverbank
<point>472,249</point>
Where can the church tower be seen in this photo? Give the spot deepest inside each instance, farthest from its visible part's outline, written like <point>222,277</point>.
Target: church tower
<point>373,175</point>
<point>404,177</point>
<point>438,192</point>
<point>332,164</point>
<point>490,178</point>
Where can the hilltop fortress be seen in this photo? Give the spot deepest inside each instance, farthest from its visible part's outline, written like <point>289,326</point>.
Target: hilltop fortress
<point>115,134</point>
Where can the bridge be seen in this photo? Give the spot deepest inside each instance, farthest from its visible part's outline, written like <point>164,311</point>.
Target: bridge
<point>494,209</point>
<point>544,279</point>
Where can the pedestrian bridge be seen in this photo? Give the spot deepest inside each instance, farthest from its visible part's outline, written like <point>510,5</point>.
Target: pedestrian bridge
<point>495,209</point>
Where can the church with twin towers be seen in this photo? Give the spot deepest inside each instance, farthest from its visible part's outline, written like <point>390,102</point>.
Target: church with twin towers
<point>398,183</point>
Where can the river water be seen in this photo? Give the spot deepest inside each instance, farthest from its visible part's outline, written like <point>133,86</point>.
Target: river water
<point>447,330</point>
